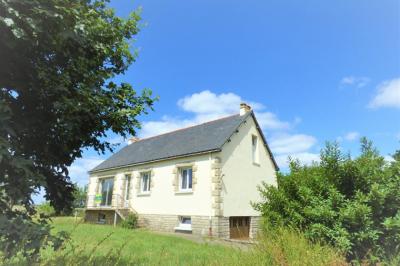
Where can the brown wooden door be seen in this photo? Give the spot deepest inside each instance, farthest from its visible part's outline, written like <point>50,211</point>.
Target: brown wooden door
<point>239,227</point>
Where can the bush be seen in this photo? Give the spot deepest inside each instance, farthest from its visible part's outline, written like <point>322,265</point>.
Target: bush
<point>21,237</point>
<point>352,204</point>
<point>45,209</point>
<point>130,221</point>
<point>285,246</point>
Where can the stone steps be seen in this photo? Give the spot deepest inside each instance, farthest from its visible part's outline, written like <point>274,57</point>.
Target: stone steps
<point>123,213</point>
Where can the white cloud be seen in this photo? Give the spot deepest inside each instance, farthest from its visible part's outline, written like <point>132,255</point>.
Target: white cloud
<point>358,82</point>
<point>207,102</point>
<point>291,144</point>
<point>388,95</point>
<point>304,157</point>
<point>206,106</point>
<point>166,124</point>
<point>78,171</point>
<point>297,146</point>
<point>388,158</point>
<point>269,120</point>
<point>352,136</point>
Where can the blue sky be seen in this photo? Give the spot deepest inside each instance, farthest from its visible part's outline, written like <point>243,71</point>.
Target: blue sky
<point>312,70</point>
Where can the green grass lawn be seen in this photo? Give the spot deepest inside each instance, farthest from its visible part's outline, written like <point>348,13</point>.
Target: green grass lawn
<point>100,243</point>
<point>91,244</point>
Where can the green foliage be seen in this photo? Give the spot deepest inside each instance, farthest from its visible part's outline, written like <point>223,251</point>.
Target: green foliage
<point>130,221</point>
<point>21,236</point>
<point>57,97</point>
<point>80,194</point>
<point>352,204</point>
<point>46,210</point>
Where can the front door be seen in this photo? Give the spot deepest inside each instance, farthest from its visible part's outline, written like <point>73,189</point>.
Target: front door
<point>239,227</point>
<point>107,186</point>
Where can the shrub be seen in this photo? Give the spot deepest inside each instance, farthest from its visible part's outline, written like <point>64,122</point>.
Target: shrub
<point>46,209</point>
<point>352,204</point>
<point>285,246</point>
<point>130,221</point>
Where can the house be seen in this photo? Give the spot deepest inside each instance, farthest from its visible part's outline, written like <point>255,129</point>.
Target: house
<point>200,180</point>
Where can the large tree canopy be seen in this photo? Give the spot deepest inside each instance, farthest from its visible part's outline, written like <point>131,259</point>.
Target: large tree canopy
<point>57,97</point>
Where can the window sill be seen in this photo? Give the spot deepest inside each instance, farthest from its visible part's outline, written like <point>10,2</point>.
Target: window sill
<point>183,228</point>
<point>183,192</point>
<point>143,194</point>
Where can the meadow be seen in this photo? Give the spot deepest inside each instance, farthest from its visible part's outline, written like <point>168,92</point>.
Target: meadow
<point>91,244</point>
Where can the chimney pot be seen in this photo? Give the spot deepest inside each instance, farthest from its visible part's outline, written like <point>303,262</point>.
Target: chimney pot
<point>244,108</point>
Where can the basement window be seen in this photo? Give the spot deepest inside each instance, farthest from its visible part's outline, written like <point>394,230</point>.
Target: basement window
<point>101,219</point>
<point>185,224</point>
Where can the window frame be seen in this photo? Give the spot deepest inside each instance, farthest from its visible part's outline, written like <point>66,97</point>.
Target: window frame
<point>184,226</point>
<point>128,184</point>
<point>255,153</point>
<point>148,187</point>
<point>188,181</point>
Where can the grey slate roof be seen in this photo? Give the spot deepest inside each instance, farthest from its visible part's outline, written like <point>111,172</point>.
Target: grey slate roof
<point>210,136</point>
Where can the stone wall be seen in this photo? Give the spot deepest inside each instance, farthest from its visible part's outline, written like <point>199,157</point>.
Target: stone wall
<point>255,226</point>
<point>92,216</point>
<point>167,223</point>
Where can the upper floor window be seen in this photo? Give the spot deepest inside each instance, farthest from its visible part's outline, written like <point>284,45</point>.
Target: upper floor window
<point>185,183</point>
<point>145,178</point>
<point>254,149</point>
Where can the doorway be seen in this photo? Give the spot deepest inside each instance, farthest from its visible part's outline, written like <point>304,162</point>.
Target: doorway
<point>239,227</point>
<point>107,186</point>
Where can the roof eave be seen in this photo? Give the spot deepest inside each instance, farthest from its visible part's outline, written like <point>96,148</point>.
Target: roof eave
<point>265,141</point>
<point>251,113</point>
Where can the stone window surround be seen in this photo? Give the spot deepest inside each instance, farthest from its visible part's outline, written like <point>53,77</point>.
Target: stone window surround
<point>98,182</point>
<point>138,177</point>
<point>176,179</point>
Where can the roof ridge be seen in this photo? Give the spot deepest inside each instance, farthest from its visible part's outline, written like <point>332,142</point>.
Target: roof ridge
<point>185,128</point>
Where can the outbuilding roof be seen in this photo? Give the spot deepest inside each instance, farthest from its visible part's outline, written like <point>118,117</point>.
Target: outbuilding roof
<point>203,138</point>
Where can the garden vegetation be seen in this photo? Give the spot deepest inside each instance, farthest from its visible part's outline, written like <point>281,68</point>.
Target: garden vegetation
<point>352,204</point>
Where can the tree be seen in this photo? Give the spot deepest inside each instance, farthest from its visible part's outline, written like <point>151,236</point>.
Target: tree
<point>57,97</point>
<point>353,204</point>
<point>80,195</point>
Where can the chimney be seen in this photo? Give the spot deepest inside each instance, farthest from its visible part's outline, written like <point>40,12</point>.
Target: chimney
<point>133,140</point>
<point>244,108</point>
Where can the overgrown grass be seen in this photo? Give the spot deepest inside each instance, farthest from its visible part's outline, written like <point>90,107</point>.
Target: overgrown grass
<point>105,245</point>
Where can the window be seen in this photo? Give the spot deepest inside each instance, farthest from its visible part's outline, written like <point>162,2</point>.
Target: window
<point>127,186</point>
<point>186,179</point>
<point>185,224</point>
<point>107,187</point>
<point>254,146</point>
<point>145,182</point>
<point>101,218</point>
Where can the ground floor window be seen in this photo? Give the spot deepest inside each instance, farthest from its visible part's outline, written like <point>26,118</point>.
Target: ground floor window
<point>145,182</point>
<point>186,175</point>
<point>239,227</point>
